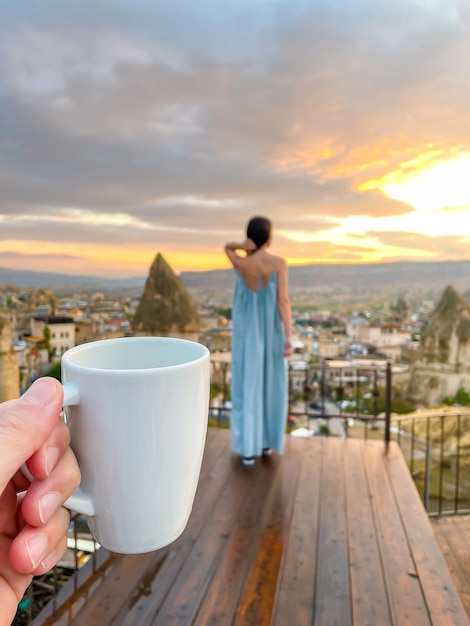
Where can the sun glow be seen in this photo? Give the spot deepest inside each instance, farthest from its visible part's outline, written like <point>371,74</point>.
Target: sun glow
<point>441,185</point>
<point>79,258</point>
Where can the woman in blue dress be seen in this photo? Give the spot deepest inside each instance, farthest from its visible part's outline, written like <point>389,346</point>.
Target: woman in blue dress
<point>261,339</point>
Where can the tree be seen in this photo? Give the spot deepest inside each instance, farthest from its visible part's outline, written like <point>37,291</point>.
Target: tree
<point>224,312</point>
<point>55,371</point>
<point>400,310</point>
<point>461,398</point>
<point>46,333</point>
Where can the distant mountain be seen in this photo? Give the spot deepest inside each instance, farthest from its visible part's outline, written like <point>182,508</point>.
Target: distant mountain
<point>320,277</point>
<point>66,282</point>
<point>355,277</point>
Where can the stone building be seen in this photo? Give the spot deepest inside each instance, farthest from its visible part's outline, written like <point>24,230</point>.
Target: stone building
<point>61,328</point>
<point>9,370</point>
<point>442,362</point>
<point>387,339</point>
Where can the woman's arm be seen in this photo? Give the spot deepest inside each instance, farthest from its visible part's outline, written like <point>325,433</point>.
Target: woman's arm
<point>232,250</point>
<point>283,304</point>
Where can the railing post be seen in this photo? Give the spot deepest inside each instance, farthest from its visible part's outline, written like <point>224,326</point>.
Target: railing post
<point>388,403</point>
<point>428,479</point>
<point>224,381</point>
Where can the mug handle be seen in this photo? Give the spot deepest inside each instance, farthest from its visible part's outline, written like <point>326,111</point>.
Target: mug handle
<point>71,394</point>
<point>78,501</point>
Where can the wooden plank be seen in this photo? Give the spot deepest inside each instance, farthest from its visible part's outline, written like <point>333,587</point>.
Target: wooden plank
<point>255,604</point>
<point>244,493</point>
<point>296,584</point>
<point>368,587</point>
<point>220,602</point>
<point>116,589</point>
<point>77,591</point>
<point>453,537</point>
<point>332,594</point>
<point>216,443</point>
<point>104,565</point>
<point>406,600</point>
<point>177,600</point>
<point>212,490</point>
<point>445,606</point>
<point>114,600</point>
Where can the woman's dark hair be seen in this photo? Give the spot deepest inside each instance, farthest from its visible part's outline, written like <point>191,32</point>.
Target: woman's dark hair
<point>259,230</point>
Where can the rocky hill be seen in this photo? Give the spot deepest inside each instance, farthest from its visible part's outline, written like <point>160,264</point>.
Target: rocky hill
<point>166,305</point>
<point>446,333</point>
<point>442,362</point>
<point>9,371</point>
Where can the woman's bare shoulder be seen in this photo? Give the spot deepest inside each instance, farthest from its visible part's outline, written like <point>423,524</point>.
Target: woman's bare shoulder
<point>279,263</point>
<point>269,262</point>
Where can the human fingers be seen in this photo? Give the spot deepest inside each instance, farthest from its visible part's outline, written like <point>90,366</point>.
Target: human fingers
<point>288,347</point>
<point>36,550</point>
<point>44,497</point>
<point>41,463</point>
<point>26,423</point>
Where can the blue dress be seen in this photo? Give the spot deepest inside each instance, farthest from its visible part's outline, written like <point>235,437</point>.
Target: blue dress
<point>259,374</point>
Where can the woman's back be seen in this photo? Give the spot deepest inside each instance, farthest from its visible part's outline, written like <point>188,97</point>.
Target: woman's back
<point>255,266</point>
<point>257,269</point>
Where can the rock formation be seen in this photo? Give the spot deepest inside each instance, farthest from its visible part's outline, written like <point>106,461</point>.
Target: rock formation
<point>9,371</point>
<point>442,363</point>
<point>446,334</point>
<point>166,307</point>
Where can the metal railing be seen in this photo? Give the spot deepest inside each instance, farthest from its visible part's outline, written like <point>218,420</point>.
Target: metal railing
<point>437,449</point>
<point>357,401</point>
<point>346,400</point>
<point>81,548</point>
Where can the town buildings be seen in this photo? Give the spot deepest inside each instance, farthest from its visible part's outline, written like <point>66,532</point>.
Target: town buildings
<point>38,334</point>
<point>41,330</point>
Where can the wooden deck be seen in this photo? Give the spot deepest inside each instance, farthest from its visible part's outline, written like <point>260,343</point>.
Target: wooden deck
<point>331,533</point>
<point>453,536</point>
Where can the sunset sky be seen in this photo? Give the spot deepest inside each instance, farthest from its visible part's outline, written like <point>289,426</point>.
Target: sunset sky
<point>129,128</point>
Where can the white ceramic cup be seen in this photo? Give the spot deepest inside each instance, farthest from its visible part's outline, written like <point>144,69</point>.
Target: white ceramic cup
<point>137,409</point>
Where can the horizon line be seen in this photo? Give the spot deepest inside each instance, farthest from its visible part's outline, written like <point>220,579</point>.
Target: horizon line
<point>222,269</point>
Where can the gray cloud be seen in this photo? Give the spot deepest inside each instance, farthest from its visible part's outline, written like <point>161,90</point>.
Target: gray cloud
<point>449,247</point>
<point>192,117</point>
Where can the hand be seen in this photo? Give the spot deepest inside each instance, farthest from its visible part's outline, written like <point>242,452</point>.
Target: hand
<point>33,524</point>
<point>288,347</point>
<point>249,245</point>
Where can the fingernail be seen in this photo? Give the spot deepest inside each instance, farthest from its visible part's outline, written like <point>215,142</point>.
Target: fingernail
<point>37,548</point>
<point>52,456</point>
<point>42,392</point>
<point>48,505</point>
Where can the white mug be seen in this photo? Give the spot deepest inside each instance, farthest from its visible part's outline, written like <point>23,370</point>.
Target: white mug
<point>137,409</point>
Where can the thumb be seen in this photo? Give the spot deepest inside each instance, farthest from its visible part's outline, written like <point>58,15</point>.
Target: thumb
<point>26,423</point>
